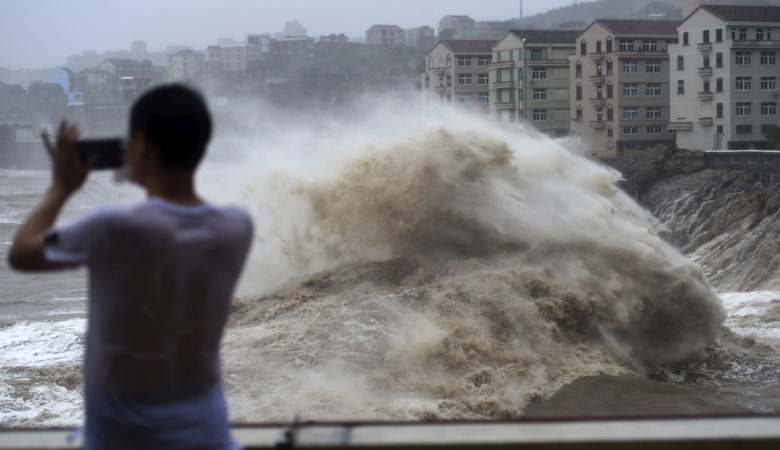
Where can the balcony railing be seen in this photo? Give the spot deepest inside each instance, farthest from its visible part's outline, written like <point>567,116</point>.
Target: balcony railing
<point>598,79</point>
<point>599,101</point>
<point>598,124</point>
<point>505,105</point>
<point>504,84</point>
<point>704,46</point>
<point>597,56</point>
<point>706,121</point>
<point>706,96</point>
<point>679,126</point>
<point>501,64</point>
<point>705,71</point>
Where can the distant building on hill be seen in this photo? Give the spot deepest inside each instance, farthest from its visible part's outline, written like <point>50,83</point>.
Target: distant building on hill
<point>457,28</point>
<point>186,65</point>
<point>424,37</point>
<point>385,35</point>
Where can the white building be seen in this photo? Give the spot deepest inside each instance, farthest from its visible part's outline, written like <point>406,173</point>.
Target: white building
<point>724,77</point>
<point>186,65</point>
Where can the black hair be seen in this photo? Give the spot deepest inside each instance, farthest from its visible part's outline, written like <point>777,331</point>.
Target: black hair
<point>175,119</point>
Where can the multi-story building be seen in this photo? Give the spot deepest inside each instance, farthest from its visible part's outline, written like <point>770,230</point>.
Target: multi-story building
<point>724,77</point>
<point>423,36</point>
<point>231,58</point>
<point>186,65</point>
<point>529,79</point>
<point>619,79</point>
<point>457,72</point>
<point>385,35</point>
<point>457,28</point>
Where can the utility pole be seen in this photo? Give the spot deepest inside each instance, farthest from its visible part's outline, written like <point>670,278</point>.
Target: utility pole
<point>521,9</point>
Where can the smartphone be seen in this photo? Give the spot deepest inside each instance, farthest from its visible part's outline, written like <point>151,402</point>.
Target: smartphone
<point>108,151</point>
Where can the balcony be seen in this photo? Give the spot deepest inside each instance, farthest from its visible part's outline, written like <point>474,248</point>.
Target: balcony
<point>501,65</point>
<point>505,105</point>
<point>597,56</point>
<point>706,121</point>
<point>599,101</point>
<point>598,124</point>
<point>705,71</point>
<point>679,126</point>
<point>706,96</point>
<point>598,79</point>
<point>704,46</point>
<point>641,53</point>
<point>504,84</point>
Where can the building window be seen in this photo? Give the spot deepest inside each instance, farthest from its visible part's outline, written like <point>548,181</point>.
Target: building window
<point>706,61</point>
<point>449,80</point>
<point>484,79</point>
<point>598,46</point>
<point>625,46</point>
<point>630,113</point>
<point>540,114</point>
<point>680,62</point>
<point>759,34</point>
<point>537,54</point>
<point>743,83</point>
<point>609,45</point>
<point>653,67</point>
<point>449,60</point>
<point>579,114</point>
<point>598,69</point>
<point>599,114</point>
<point>484,99</point>
<point>498,56</point>
<point>609,67</point>
<point>630,130</point>
<point>579,92</point>
<point>539,73</point>
<point>705,36</point>
<point>653,112</point>
<point>610,114</point>
<point>719,59</point>
<point>766,128</point>
<point>578,70</point>
<point>768,108</point>
<point>498,76</point>
<point>610,90</point>
<point>719,35</point>
<point>583,48</point>
<point>685,38</point>
<point>649,45</point>
<point>464,79</point>
<point>768,57</point>
<point>742,34</point>
<point>464,60</point>
<point>719,85</point>
<point>540,94</point>
<point>609,134</point>
<point>464,99</point>
<point>483,61</point>
<point>630,89</point>
<point>653,89</point>
<point>630,66</point>
<point>743,109</point>
<point>680,87</point>
<point>654,129</point>
<point>719,129</point>
<point>744,129</point>
<point>430,62</point>
<point>599,91</point>
<point>768,83</point>
<point>743,57</point>
<point>719,110</point>
<point>427,81</point>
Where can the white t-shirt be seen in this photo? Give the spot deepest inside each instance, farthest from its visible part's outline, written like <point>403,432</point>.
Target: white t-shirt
<point>161,279</point>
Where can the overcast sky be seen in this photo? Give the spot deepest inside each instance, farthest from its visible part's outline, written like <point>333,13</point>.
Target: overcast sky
<point>42,33</point>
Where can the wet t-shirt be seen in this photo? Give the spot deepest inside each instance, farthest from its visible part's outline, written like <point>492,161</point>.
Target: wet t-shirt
<point>161,278</point>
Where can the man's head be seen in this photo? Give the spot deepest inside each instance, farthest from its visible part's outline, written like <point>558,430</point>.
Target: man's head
<point>173,121</point>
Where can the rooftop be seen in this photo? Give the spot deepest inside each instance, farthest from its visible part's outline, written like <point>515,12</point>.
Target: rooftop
<point>640,27</point>
<point>469,46</point>
<point>548,36</point>
<point>743,13</point>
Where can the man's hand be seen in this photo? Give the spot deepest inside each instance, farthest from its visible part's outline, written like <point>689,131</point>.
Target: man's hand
<point>68,175</point>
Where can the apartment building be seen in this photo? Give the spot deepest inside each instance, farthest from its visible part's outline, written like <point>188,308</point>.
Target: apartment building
<point>529,79</point>
<point>231,58</point>
<point>186,65</point>
<point>385,35</point>
<point>457,28</point>
<point>724,77</point>
<point>620,85</point>
<point>457,72</point>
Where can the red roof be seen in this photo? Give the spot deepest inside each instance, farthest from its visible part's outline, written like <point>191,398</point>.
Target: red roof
<point>640,27</point>
<point>469,46</point>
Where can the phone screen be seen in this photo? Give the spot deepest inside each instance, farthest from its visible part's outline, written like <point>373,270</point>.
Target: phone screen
<point>108,151</point>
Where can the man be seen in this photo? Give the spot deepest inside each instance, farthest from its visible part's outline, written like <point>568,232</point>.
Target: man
<point>161,278</point>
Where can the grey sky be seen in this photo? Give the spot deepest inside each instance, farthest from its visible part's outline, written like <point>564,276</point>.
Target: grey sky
<point>42,33</point>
